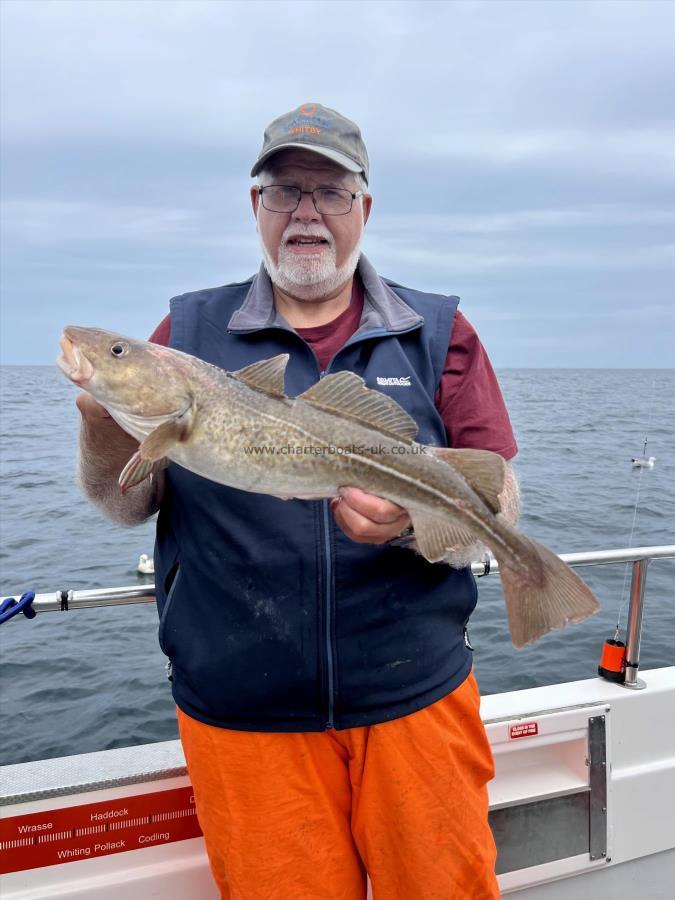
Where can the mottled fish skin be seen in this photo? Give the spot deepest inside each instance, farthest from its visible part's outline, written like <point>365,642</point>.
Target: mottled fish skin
<point>208,421</point>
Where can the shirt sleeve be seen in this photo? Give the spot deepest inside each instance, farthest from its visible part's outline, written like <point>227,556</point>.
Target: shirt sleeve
<point>469,398</point>
<point>162,334</point>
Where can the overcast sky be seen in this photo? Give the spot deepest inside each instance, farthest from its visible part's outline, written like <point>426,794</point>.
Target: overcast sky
<point>522,156</point>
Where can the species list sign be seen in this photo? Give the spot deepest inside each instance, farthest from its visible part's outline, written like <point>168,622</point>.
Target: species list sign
<point>97,829</point>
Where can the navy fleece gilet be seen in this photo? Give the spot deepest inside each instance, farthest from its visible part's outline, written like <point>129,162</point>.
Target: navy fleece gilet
<point>272,618</point>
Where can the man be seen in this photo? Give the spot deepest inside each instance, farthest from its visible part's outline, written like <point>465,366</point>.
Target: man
<point>326,705</point>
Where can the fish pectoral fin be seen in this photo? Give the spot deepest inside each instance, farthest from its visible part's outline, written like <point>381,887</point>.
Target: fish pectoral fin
<point>483,470</point>
<point>266,375</point>
<point>345,394</point>
<point>174,431</point>
<point>436,537</point>
<point>138,469</point>
<point>546,602</point>
<point>152,451</point>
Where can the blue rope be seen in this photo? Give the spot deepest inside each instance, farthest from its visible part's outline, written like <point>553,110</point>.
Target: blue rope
<point>10,607</point>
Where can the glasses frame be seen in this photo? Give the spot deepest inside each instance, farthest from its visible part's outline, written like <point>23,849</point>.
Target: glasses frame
<point>353,195</point>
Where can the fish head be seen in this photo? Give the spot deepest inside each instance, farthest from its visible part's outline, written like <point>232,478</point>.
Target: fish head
<point>124,374</point>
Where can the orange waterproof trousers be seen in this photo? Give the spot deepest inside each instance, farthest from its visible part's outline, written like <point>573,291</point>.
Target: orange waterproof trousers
<point>304,816</point>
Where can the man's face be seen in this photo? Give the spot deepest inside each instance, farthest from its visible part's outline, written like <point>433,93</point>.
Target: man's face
<point>306,253</point>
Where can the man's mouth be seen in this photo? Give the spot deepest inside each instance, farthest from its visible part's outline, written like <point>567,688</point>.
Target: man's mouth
<point>306,244</point>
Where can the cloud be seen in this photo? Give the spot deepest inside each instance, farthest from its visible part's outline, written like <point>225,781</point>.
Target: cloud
<point>519,151</point>
<point>39,222</point>
<point>650,152</point>
<point>516,220</point>
<point>450,261</point>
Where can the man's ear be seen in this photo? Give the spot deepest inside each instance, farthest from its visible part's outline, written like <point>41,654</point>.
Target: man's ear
<point>255,199</point>
<point>366,205</point>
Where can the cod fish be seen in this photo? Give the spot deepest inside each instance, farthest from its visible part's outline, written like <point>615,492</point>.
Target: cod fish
<point>232,427</point>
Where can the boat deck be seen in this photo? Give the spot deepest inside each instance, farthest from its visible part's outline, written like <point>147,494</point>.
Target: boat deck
<point>584,789</point>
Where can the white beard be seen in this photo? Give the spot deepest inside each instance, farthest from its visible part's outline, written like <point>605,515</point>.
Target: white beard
<point>309,277</point>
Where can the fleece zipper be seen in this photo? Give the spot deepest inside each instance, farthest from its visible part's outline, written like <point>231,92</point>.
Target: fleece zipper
<point>326,528</point>
<point>329,579</point>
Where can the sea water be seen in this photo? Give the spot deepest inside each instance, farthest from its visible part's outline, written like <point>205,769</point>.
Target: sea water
<point>95,679</point>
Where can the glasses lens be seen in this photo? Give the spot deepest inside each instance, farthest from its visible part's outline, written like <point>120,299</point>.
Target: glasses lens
<point>332,201</point>
<point>280,197</point>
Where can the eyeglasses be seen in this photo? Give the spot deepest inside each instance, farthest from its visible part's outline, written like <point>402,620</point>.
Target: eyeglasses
<point>284,198</point>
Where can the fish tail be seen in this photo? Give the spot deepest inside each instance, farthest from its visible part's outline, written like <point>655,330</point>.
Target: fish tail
<point>545,600</point>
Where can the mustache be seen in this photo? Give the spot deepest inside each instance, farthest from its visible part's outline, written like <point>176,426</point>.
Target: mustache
<point>313,231</point>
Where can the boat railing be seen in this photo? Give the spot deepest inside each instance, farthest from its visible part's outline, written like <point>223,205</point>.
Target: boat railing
<point>639,557</point>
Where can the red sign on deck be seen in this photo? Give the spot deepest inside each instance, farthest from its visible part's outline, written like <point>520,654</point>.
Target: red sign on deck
<point>96,829</point>
<point>523,729</point>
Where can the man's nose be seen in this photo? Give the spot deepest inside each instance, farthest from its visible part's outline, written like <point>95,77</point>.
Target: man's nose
<point>306,211</point>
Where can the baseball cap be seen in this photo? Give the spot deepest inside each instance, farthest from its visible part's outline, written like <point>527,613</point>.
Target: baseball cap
<point>319,129</point>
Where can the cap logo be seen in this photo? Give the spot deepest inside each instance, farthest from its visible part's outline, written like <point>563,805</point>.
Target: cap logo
<point>306,122</point>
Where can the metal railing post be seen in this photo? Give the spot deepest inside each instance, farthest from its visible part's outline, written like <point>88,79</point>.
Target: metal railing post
<point>634,626</point>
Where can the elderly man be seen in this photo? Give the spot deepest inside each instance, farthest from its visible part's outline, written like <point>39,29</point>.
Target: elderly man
<point>326,703</point>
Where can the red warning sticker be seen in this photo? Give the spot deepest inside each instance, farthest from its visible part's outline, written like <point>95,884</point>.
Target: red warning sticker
<point>523,729</point>
<point>97,829</point>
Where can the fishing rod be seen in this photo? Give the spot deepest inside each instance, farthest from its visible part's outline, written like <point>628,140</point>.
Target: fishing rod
<point>615,659</point>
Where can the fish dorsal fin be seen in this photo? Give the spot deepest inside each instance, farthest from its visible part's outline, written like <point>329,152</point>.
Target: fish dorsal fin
<point>346,394</point>
<point>266,375</point>
<point>482,469</point>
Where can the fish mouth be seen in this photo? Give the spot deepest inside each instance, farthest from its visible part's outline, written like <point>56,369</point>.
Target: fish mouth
<point>73,363</point>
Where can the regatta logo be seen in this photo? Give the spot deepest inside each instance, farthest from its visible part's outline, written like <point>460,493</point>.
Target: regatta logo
<point>395,382</point>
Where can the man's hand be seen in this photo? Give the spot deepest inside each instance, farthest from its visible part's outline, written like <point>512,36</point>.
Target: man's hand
<point>105,449</point>
<point>101,426</point>
<point>89,408</point>
<point>368,519</point>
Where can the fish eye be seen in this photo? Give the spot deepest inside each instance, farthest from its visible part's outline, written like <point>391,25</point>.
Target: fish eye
<point>119,348</point>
